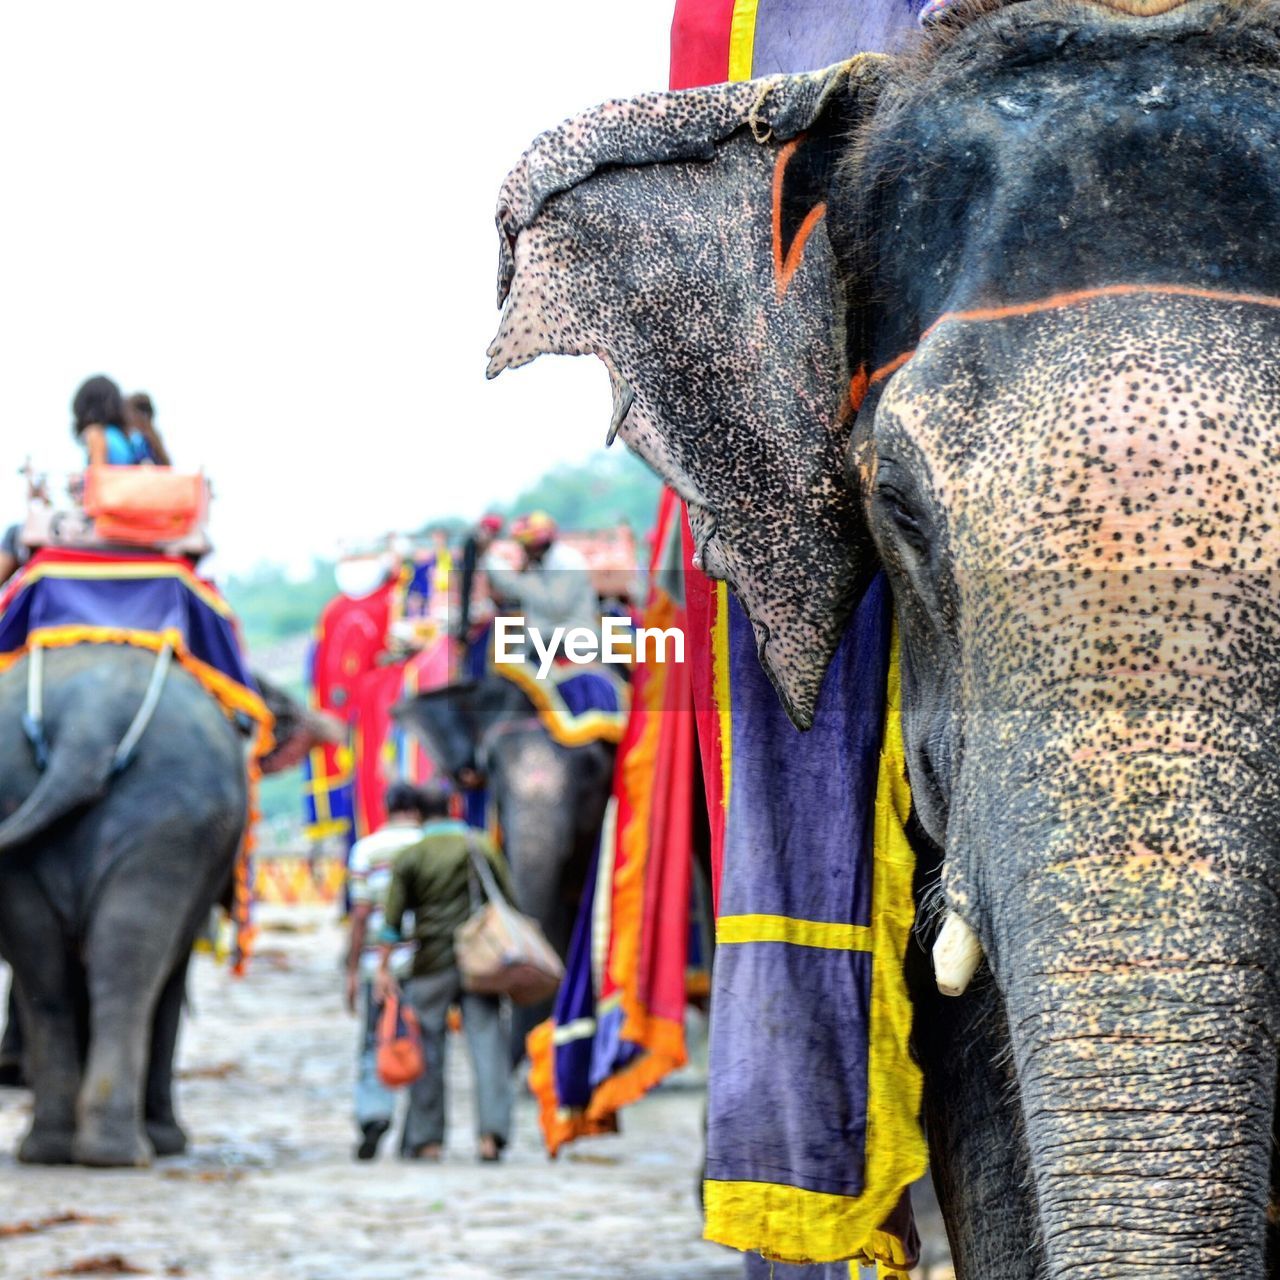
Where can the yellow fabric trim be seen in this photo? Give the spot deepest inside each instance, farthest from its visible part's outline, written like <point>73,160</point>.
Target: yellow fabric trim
<point>118,569</point>
<point>790,1224</point>
<point>323,787</point>
<point>230,695</point>
<point>566,729</point>
<point>330,827</point>
<point>720,680</point>
<point>896,1150</point>
<point>800,933</point>
<point>742,39</point>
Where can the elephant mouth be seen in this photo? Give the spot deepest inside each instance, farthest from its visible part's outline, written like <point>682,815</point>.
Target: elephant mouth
<point>703,524</point>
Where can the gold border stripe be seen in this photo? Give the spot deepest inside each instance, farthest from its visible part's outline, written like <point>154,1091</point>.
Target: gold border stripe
<point>742,39</point>
<point>720,692</point>
<point>825,934</point>
<point>116,570</point>
<point>791,1224</point>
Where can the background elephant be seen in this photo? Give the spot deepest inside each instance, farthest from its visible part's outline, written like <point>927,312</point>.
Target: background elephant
<point>923,317</point>
<point>105,881</point>
<point>550,800</point>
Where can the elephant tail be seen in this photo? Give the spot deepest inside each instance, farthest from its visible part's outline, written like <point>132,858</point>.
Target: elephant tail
<point>70,782</point>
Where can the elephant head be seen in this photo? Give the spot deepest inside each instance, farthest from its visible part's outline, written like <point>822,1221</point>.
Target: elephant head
<point>459,722</point>
<point>1002,318</point>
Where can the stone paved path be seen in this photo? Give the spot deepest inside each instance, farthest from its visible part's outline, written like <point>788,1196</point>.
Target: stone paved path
<point>269,1189</point>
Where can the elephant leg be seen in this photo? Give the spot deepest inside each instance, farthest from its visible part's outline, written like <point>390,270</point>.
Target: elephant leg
<point>11,1073</point>
<point>166,1135</point>
<point>128,962</point>
<point>46,986</point>
<point>977,1151</point>
<point>540,844</point>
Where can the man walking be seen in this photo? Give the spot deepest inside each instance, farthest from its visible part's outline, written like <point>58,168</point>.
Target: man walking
<point>368,877</point>
<point>434,880</point>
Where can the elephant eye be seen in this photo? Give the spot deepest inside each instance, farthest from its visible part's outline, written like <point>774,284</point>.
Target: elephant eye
<point>900,512</point>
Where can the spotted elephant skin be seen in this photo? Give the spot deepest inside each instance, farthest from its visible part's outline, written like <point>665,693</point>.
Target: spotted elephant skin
<point>549,799</point>
<point>1051,233</point>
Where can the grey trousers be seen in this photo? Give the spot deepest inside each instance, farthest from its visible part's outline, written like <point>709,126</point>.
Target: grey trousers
<point>430,998</point>
<point>375,1103</point>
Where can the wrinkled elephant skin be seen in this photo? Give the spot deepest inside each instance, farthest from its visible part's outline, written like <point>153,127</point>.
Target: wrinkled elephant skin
<point>1057,236</point>
<point>100,906</point>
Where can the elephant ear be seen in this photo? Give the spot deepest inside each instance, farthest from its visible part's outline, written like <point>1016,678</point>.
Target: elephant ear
<point>682,238</point>
<point>447,722</point>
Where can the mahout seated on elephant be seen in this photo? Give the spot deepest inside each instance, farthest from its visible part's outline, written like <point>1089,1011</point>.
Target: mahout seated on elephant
<point>549,800</point>
<point>1001,319</point>
<point>107,877</point>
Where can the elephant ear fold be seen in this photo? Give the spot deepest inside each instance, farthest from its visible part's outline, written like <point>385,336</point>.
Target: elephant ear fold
<point>683,239</point>
<point>447,723</point>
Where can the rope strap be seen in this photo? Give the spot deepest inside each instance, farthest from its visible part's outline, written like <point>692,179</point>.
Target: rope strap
<point>33,721</point>
<point>123,757</point>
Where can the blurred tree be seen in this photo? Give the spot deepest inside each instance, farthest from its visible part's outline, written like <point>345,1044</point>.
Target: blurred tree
<point>272,606</point>
<point>605,490</point>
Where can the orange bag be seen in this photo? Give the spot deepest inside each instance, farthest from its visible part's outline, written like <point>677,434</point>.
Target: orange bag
<point>144,506</point>
<point>399,1045</point>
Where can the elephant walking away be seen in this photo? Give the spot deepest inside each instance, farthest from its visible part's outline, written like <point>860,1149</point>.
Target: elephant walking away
<point>105,881</point>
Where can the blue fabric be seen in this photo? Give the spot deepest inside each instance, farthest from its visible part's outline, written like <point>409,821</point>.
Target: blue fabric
<point>126,448</point>
<point>341,797</point>
<point>576,1002</point>
<point>806,35</point>
<point>418,587</point>
<point>757,1268</point>
<point>609,1051</point>
<point>789,1033</point>
<point>476,662</point>
<point>588,690</point>
<point>475,666</point>
<point>136,604</point>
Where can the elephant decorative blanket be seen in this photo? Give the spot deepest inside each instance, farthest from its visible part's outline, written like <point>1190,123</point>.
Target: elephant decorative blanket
<point>79,597</point>
<point>576,704</point>
<point>72,597</point>
<point>618,1024</point>
<point>813,1130</point>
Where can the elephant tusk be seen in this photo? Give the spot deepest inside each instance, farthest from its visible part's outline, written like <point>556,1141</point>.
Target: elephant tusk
<point>956,955</point>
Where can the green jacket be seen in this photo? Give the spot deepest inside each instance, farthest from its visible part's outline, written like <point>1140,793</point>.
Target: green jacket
<point>433,880</point>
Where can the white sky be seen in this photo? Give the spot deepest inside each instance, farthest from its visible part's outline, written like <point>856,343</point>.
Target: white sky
<point>276,216</point>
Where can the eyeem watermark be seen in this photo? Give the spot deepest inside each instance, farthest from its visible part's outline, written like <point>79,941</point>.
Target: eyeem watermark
<point>619,640</point>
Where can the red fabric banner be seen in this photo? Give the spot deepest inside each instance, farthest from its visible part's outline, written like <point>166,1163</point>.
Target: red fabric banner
<point>700,42</point>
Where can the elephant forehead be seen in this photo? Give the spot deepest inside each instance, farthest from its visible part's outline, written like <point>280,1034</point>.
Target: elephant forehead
<point>1126,432</point>
<point>536,769</point>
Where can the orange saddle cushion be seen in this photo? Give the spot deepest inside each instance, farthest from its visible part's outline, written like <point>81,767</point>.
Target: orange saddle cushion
<point>144,505</point>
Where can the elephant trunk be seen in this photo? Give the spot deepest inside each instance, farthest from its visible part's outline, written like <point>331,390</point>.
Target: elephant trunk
<point>1151,1149</point>
<point>1144,1034</point>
